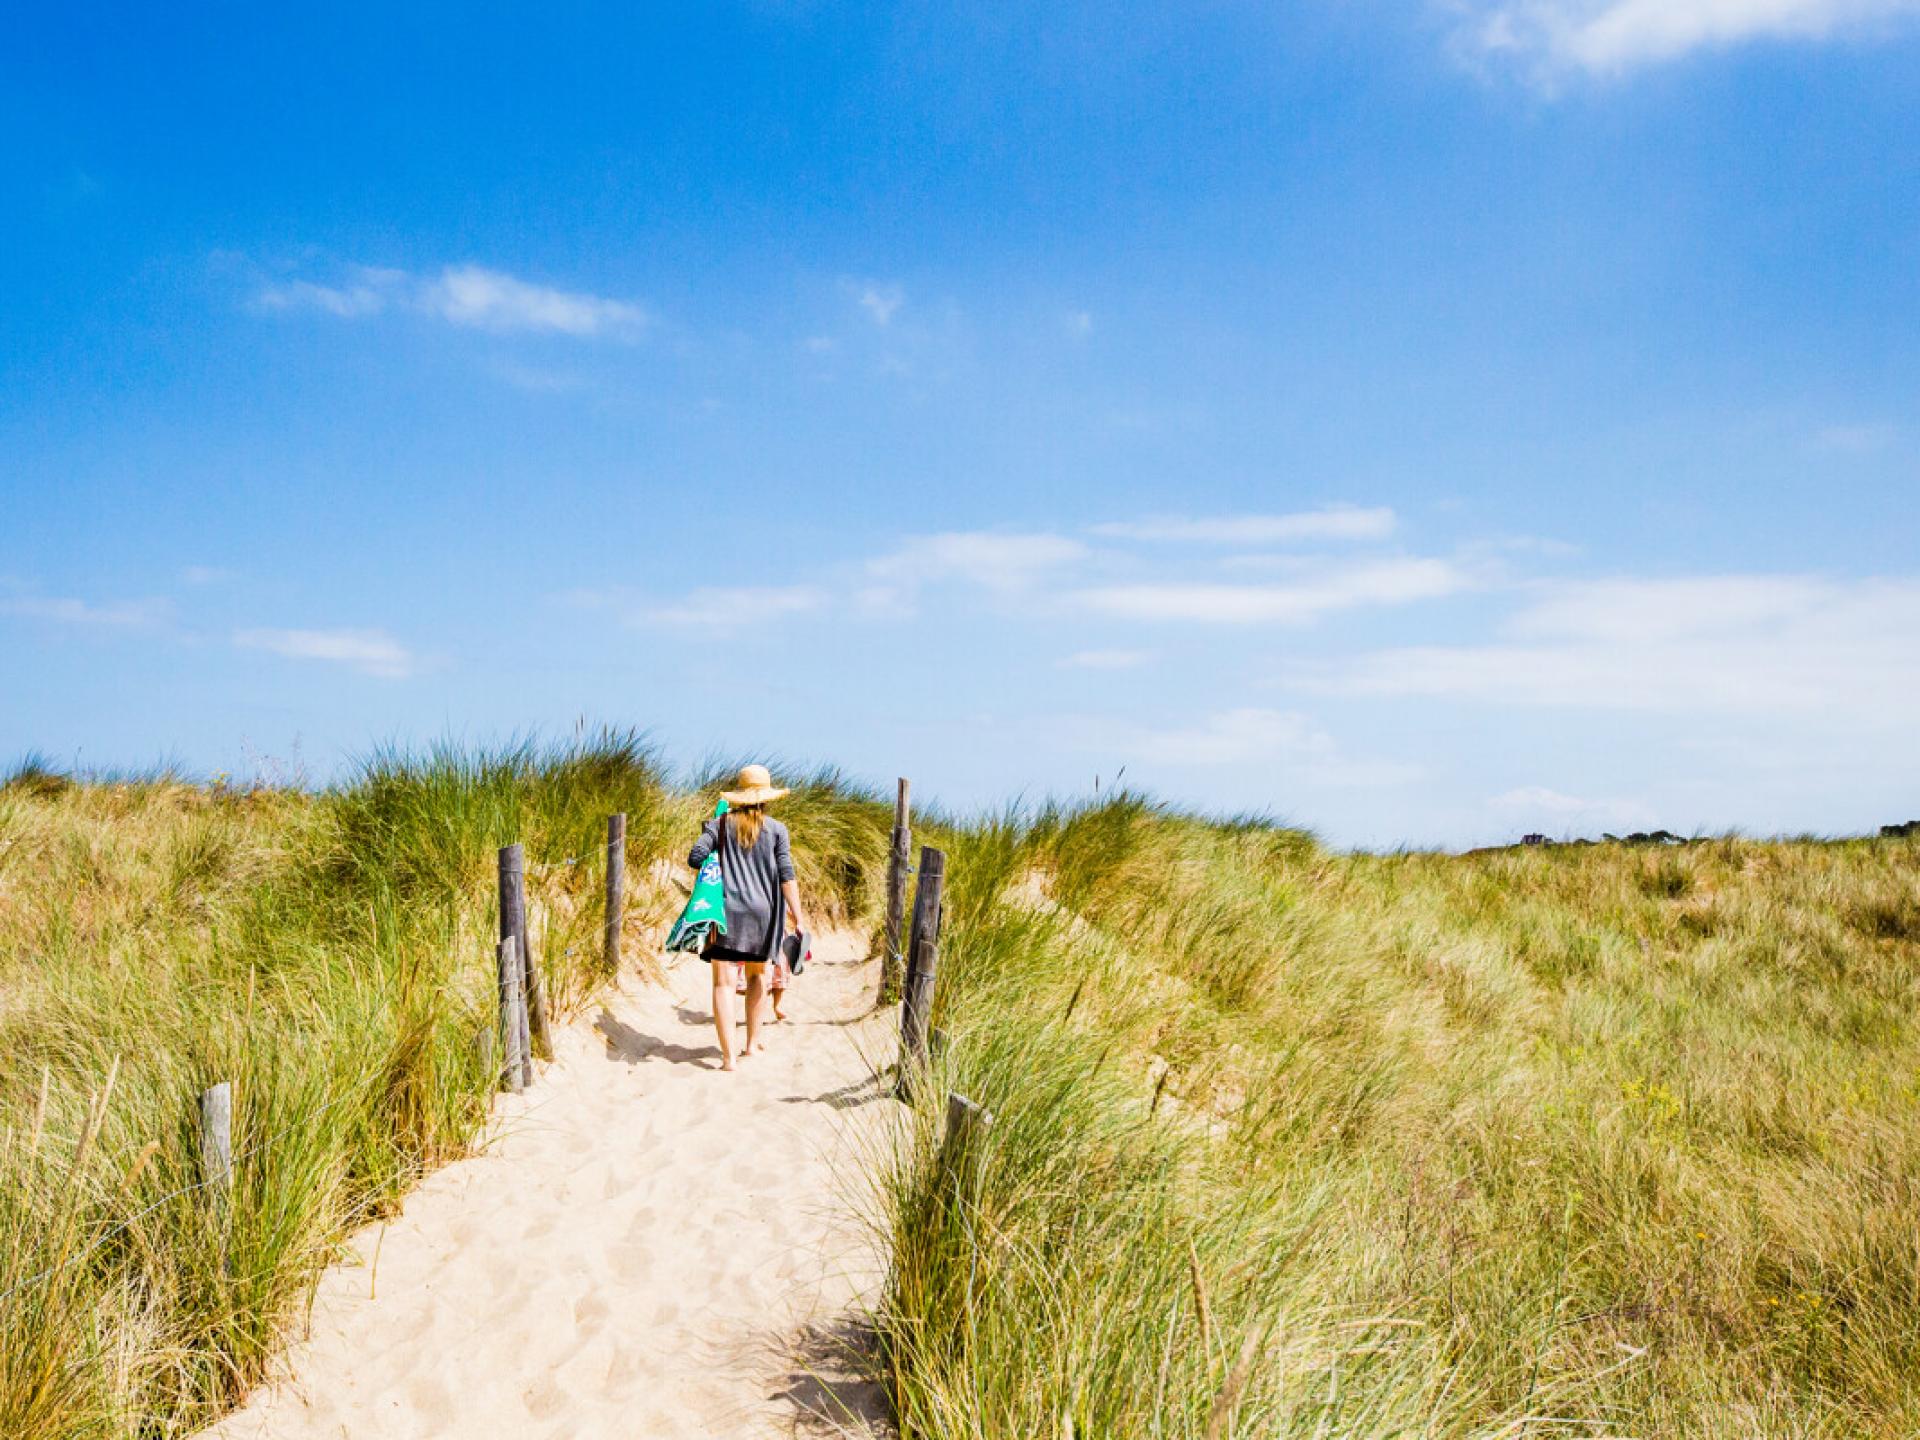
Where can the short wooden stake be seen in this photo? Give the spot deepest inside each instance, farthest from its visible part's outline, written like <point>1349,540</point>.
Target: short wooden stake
<point>514,1075</point>
<point>616,888</point>
<point>216,1136</point>
<point>966,1121</point>
<point>513,921</point>
<point>923,959</point>
<point>899,862</point>
<point>967,1126</point>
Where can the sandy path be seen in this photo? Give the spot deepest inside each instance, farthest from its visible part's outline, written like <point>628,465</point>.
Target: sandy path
<point>648,1248</point>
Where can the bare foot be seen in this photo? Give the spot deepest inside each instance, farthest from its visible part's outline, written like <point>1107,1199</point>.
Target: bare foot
<point>726,1067</point>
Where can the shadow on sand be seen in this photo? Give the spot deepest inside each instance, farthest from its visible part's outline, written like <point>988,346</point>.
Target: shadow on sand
<point>827,1382</point>
<point>864,1091</point>
<point>626,1044</point>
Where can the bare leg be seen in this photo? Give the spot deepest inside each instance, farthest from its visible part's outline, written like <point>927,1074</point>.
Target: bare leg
<point>723,1012</point>
<point>756,994</point>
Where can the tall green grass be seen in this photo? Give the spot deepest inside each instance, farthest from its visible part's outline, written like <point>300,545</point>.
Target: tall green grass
<point>330,954</point>
<point>1607,1141</point>
<point>1619,1141</point>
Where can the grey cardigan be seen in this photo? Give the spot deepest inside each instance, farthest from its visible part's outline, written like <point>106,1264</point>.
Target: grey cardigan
<point>756,910</point>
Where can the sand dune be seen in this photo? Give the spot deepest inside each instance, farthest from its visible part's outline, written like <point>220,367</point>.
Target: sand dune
<point>648,1247</point>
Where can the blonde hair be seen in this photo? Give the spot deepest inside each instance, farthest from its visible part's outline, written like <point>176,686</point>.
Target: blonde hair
<point>744,821</point>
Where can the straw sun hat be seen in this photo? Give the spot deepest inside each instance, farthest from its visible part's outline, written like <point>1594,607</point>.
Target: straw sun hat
<point>756,787</point>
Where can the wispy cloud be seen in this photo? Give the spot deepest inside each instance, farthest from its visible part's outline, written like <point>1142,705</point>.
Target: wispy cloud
<point>198,575</point>
<point>1001,561</point>
<point>707,608</point>
<point>469,296</point>
<point>1609,37</point>
<point>1295,602</point>
<point>1334,522</point>
<point>368,294</point>
<point>1532,805</point>
<point>1078,323</point>
<point>880,300</point>
<point>1869,439</point>
<point>489,300</point>
<point>1287,747</point>
<point>372,652</point>
<point>65,610</point>
<point>1760,645</point>
<point>1105,660</point>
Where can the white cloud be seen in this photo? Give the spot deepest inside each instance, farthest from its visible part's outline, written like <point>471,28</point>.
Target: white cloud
<point>347,301</point>
<point>1296,602</point>
<point>1334,522</point>
<point>1105,660</point>
<point>64,610</point>
<point>534,379</point>
<point>881,302</point>
<point>1606,37</point>
<point>1532,805</point>
<point>470,296</point>
<point>1856,439</point>
<point>1079,323</point>
<point>1753,645</point>
<point>205,575</point>
<point>1003,562</point>
<point>730,607</point>
<point>1286,746</point>
<point>372,652</point>
<point>489,300</point>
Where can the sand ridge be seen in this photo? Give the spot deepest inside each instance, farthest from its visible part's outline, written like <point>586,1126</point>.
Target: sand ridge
<point>646,1248</point>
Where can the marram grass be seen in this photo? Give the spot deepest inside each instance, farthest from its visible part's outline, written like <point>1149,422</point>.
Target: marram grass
<point>1600,1141</point>
<point>330,955</point>
<point>1608,1141</point>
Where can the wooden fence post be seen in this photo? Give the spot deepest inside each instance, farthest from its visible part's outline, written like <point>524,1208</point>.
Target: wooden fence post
<point>892,970</point>
<point>512,1013</point>
<point>966,1123</point>
<point>486,1045</point>
<point>216,1136</point>
<point>616,888</point>
<point>513,921</point>
<point>958,1165</point>
<point>923,959</point>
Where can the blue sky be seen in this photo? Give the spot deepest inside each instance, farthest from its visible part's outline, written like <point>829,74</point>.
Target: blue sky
<point>1429,422</point>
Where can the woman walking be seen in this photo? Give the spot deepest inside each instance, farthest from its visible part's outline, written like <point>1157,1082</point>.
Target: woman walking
<point>756,866</point>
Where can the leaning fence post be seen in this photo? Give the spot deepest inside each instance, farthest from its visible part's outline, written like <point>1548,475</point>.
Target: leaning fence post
<point>923,958</point>
<point>512,1014</point>
<point>892,970</point>
<point>513,921</point>
<point>216,1136</point>
<point>616,887</point>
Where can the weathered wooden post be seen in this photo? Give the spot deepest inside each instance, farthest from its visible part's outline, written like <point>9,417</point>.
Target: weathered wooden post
<point>956,1180</point>
<point>513,1015</point>
<point>486,1045</point>
<point>892,968</point>
<point>923,959</point>
<point>616,888</point>
<point>966,1124</point>
<point>513,921</point>
<point>216,1136</point>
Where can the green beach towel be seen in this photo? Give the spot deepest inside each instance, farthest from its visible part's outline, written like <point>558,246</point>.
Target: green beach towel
<point>706,912</point>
